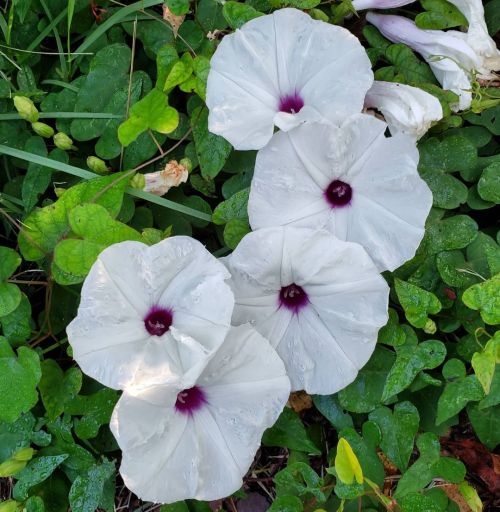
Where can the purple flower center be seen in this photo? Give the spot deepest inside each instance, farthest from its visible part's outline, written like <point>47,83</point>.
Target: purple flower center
<point>338,194</point>
<point>291,103</point>
<point>190,400</point>
<point>293,297</point>
<point>158,321</point>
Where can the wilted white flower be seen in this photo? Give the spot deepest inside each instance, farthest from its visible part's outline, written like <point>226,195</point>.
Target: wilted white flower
<point>406,109</point>
<point>451,59</point>
<point>352,180</point>
<point>197,438</point>
<point>283,69</point>
<point>477,35</point>
<point>160,182</point>
<point>318,300</point>
<point>360,5</point>
<point>148,312</point>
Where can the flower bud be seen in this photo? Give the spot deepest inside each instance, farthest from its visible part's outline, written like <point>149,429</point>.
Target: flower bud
<point>62,141</point>
<point>97,165</point>
<point>26,108</point>
<point>159,183</point>
<point>42,129</point>
<point>186,162</point>
<point>430,326</point>
<point>138,181</point>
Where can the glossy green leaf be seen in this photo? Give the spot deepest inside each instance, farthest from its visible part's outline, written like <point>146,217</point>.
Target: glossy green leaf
<point>485,297</point>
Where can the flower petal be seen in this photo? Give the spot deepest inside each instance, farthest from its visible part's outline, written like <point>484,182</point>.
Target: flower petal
<point>109,336</point>
<point>204,455</point>
<point>390,202</point>
<point>273,57</point>
<point>406,109</point>
<point>326,341</point>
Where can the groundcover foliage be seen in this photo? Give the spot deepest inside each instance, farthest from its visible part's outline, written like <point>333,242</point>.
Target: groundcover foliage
<point>414,431</point>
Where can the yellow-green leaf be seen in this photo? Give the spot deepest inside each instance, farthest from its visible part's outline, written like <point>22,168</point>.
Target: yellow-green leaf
<point>347,464</point>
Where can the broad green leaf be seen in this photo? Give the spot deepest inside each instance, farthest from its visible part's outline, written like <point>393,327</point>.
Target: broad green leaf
<point>365,393</point>
<point>178,7</point>
<point>87,489</point>
<point>10,298</point>
<point>458,391</point>
<point>484,363</point>
<point>489,183</point>
<point>417,303</point>
<point>209,15</point>
<point>489,118</point>
<point>212,150</point>
<point>179,72</point>
<point>57,388</point>
<point>180,506</point>
<point>233,208</point>
<point>19,377</point>
<point>45,227</point>
<point>486,424</point>
<point>150,113</point>
<point>451,233</point>
<point>455,270</point>
<point>485,297</point>
<point>447,191</point>
<point>439,15</point>
<point>9,261</point>
<point>165,59</point>
<point>347,464</point>
<point>410,361</point>
<point>12,506</point>
<point>37,178</point>
<point>484,255</point>
<point>430,465</point>
<point>289,432</point>
<point>330,408</point>
<point>286,504</point>
<point>35,504</point>
<point>416,502</point>
<point>454,153</point>
<point>95,410</point>
<point>234,231</point>
<point>399,428</point>
<point>237,14</point>
<point>37,471</point>
<point>299,479</point>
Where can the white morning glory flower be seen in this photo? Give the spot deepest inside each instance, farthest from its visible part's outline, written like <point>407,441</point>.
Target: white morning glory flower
<point>282,69</point>
<point>319,301</point>
<point>406,109</point>
<point>451,59</point>
<point>477,35</point>
<point>352,180</point>
<point>147,312</point>
<point>197,438</point>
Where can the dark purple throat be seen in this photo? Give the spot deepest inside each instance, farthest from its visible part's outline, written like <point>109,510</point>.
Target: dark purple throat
<point>291,103</point>
<point>338,194</point>
<point>190,400</point>
<point>293,297</point>
<point>158,321</point>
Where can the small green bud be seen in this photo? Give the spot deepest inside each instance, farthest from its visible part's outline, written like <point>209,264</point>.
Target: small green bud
<point>42,129</point>
<point>26,108</point>
<point>62,141</point>
<point>138,181</point>
<point>9,506</point>
<point>430,327</point>
<point>97,165</point>
<point>186,162</point>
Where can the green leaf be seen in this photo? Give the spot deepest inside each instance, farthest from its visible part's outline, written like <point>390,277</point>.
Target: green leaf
<point>458,391</point>
<point>430,465</point>
<point>57,388</point>
<point>485,297</point>
<point>486,424</point>
<point>178,7</point>
<point>37,471</point>
<point>299,479</point>
<point>10,298</point>
<point>471,497</point>
<point>212,150</point>
<point>410,361</point>
<point>347,464</point>
<point>489,118</point>
<point>454,153</point>
<point>86,492</point>
<point>330,408</point>
<point>286,504</point>
<point>34,504</point>
<point>406,66</point>
<point>95,410</point>
<point>150,113</point>
<point>237,14</point>
<point>180,506</point>
<point>365,393</point>
<point>451,233</point>
<point>489,183</point>
<point>18,380</point>
<point>16,326</point>
<point>415,502</point>
<point>45,227</point>
<point>289,432</point>
<point>233,208</point>
<point>234,231</point>
<point>453,268</point>
<point>417,303</point>
<point>180,72</point>
<point>9,261</point>
<point>440,15</point>
<point>398,431</point>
